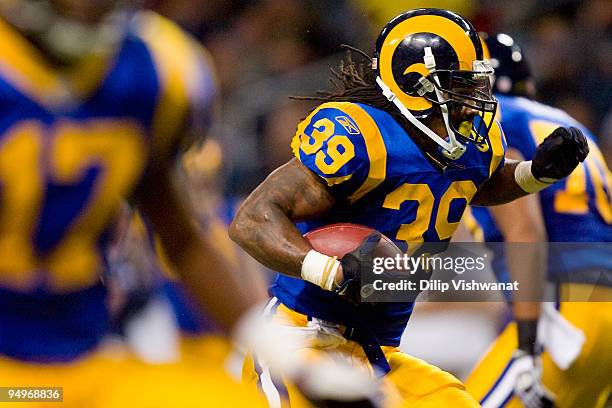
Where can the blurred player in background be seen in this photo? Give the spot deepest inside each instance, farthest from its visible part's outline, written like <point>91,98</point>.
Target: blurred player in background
<point>98,98</point>
<point>577,210</point>
<point>400,146</point>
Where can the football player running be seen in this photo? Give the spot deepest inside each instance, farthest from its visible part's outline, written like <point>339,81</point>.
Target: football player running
<point>577,210</point>
<point>402,145</point>
<point>97,99</point>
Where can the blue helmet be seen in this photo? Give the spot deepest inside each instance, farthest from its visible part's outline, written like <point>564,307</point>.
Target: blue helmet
<point>430,62</point>
<point>512,73</point>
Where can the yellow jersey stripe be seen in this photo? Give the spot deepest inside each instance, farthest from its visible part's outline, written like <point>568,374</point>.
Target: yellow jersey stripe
<point>177,60</point>
<point>332,181</point>
<point>496,138</point>
<point>375,146</point>
<point>24,67</point>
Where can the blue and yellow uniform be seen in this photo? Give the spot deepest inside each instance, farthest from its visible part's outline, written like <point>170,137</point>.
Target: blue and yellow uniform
<point>71,148</point>
<point>384,181</point>
<point>577,212</point>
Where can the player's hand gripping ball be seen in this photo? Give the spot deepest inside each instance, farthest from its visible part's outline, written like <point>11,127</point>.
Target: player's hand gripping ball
<point>356,246</point>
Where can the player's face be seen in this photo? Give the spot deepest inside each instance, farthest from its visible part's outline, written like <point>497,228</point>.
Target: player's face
<point>469,95</point>
<point>86,12</point>
<point>462,113</point>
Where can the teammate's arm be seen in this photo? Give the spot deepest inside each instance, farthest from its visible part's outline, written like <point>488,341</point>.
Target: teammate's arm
<point>555,158</point>
<point>199,265</point>
<point>264,225</point>
<point>522,225</point>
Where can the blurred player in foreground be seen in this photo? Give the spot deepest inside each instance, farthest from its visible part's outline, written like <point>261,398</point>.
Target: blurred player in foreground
<point>149,286</point>
<point>159,305</point>
<point>97,100</point>
<point>577,210</point>
<point>400,146</point>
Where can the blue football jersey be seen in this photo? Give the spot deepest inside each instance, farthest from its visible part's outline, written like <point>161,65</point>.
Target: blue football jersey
<point>72,146</point>
<point>384,181</point>
<point>576,210</point>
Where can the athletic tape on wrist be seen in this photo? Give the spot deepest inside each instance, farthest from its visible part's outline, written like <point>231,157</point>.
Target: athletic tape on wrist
<point>525,179</point>
<point>320,269</point>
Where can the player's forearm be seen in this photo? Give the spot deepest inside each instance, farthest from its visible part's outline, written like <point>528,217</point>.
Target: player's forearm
<point>264,231</point>
<point>209,277</point>
<point>264,225</point>
<point>527,265</point>
<point>204,271</point>
<point>522,226</point>
<point>501,188</point>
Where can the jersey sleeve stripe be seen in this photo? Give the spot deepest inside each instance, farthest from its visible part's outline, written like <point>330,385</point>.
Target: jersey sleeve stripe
<point>496,138</point>
<point>375,146</point>
<point>332,181</point>
<point>177,67</point>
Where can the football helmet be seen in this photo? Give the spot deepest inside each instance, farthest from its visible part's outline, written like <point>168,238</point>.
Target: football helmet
<point>512,73</point>
<point>430,61</point>
<point>68,30</point>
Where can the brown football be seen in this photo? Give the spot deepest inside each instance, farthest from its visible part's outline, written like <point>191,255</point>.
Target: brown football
<point>340,239</point>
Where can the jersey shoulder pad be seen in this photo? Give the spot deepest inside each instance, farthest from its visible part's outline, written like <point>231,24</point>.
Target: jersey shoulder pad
<point>186,75</point>
<point>341,142</point>
<point>181,61</point>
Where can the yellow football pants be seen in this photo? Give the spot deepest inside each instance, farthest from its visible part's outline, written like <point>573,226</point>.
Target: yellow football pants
<point>112,377</point>
<point>585,384</point>
<point>418,383</point>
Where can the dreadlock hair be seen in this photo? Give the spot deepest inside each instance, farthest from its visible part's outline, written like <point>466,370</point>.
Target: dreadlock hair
<point>355,82</point>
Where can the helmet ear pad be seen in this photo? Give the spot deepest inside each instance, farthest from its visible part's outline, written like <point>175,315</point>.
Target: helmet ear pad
<point>407,63</point>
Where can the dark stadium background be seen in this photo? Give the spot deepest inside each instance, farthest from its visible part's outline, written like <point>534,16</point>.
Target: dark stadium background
<point>266,50</point>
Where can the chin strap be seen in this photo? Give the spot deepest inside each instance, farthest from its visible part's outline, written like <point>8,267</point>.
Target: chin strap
<point>430,64</point>
<point>452,150</point>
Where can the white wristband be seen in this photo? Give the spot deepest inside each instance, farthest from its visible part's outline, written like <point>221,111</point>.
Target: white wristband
<point>320,269</point>
<point>525,179</point>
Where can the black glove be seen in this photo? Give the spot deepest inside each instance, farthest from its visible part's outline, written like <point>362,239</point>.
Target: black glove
<point>559,154</point>
<point>354,264</point>
<point>363,403</point>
